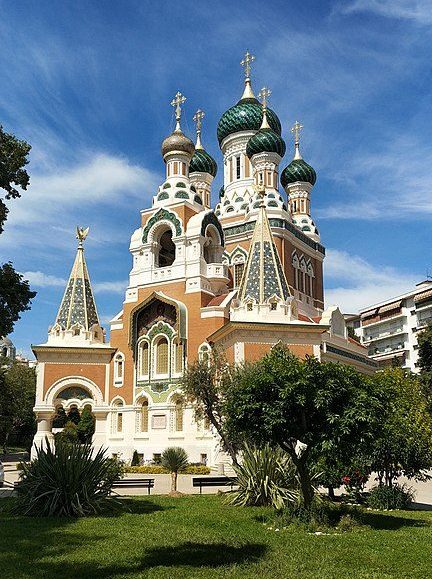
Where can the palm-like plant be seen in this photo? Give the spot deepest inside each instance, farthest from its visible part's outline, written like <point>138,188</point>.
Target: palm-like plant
<point>68,480</point>
<point>265,477</point>
<point>174,459</point>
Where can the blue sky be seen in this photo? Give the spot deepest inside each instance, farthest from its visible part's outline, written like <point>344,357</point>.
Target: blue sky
<point>88,84</point>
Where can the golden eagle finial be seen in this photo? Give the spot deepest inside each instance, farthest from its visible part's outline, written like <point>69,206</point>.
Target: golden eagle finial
<point>81,234</point>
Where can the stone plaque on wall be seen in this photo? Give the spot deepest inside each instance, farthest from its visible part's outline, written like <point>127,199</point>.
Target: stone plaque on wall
<point>159,421</point>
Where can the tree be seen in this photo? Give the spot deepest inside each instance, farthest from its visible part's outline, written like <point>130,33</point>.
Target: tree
<point>74,415</point>
<point>13,159</point>
<point>17,395</point>
<point>425,359</point>
<point>15,297</point>
<point>402,442</point>
<point>86,426</point>
<point>205,383</point>
<point>15,294</point>
<point>69,434</point>
<point>174,459</point>
<point>303,406</point>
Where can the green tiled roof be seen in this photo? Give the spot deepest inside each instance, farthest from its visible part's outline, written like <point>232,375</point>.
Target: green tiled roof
<point>298,170</point>
<point>246,115</point>
<point>202,162</point>
<point>265,141</point>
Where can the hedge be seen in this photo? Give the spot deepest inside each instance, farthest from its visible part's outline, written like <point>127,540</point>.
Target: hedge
<point>156,469</point>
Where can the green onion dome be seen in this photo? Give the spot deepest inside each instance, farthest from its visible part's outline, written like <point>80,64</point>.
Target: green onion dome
<point>202,162</point>
<point>246,115</point>
<point>298,170</point>
<point>265,141</point>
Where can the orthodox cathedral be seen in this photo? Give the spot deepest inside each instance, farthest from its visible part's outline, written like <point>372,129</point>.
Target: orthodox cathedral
<point>241,277</point>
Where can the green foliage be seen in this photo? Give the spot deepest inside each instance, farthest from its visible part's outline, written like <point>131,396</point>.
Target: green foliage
<point>17,395</point>
<point>74,415</point>
<point>15,297</point>
<point>266,477</point>
<point>388,498</point>
<point>69,434</point>
<point>13,159</point>
<point>280,399</point>
<point>60,419</point>
<point>425,361</point>
<point>174,459</point>
<point>135,459</point>
<point>402,442</point>
<point>205,383</point>
<point>86,426</point>
<point>68,481</point>
<point>157,469</point>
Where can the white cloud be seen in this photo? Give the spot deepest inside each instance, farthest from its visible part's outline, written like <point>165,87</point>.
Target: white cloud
<point>40,279</point>
<point>118,287</point>
<point>419,11</point>
<point>355,283</point>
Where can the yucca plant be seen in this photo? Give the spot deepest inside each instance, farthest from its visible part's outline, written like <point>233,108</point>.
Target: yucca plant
<point>68,480</point>
<point>174,459</point>
<point>265,477</point>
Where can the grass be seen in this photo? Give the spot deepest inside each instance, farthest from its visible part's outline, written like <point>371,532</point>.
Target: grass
<point>201,537</point>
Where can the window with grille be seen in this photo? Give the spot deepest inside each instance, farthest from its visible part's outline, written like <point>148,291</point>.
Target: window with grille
<point>162,356</point>
<point>238,173</point>
<point>144,416</point>
<point>238,273</point>
<point>178,414</point>
<point>179,358</point>
<point>144,361</point>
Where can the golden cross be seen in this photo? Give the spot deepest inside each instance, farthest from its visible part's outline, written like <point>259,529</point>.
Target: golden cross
<point>177,101</point>
<point>295,129</point>
<point>81,235</point>
<point>246,62</point>
<point>264,94</point>
<point>198,117</point>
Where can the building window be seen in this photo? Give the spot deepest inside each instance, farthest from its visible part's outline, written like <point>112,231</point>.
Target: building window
<point>204,353</point>
<point>238,273</point>
<point>203,459</point>
<point>119,369</point>
<point>117,417</point>
<point>166,250</point>
<point>238,168</point>
<point>273,306</point>
<point>178,362</point>
<point>178,413</point>
<point>143,416</point>
<point>162,356</point>
<point>144,359</point>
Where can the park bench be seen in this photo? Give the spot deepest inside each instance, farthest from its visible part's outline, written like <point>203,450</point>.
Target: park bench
<point>214,481</point>
<point>143,483</point>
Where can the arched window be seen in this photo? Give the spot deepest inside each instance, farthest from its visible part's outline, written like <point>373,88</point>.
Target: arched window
<point>212,245</point>
<point>142,422</point>
<point>177,422</point>
<point>166,251</point>
<point>178,358</point>
<point>143,359</point>
<point>117,417</point>
<point>162,359</point>
<point>238,273</point>
<point>204,353</point>
<point>118,369</point>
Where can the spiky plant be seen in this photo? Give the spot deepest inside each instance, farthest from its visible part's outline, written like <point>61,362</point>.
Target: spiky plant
<point>70,480</point>
<point>265,477</point>
<point>174,459</point>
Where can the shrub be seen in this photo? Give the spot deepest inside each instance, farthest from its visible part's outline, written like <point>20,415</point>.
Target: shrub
<point>69,434</point>
<point>265,478</point>
<point>321,515</point>
<point>387,498</point>
<point>86,426</point>
<point>135,459</point>
<point>174,459</point>
<point>157,469</point>
<point>70,481</point>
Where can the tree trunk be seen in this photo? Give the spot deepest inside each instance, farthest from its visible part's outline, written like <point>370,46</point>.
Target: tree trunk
<point>173,482</point>
<point>5,442</point>
<point>305,484</point>
<point>331,493</point>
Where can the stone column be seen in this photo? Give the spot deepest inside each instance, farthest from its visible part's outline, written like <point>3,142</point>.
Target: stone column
<point>101,427</point>
<point>44,429</point>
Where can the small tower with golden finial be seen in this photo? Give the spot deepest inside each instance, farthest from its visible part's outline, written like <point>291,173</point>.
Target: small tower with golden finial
<point>203,167</point>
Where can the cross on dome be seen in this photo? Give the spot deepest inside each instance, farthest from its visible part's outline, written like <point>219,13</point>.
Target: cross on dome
<point>295,129</point>
<point>263,95</point>
<point>177,101</point>
<point>246,63</point>
<point>197,118</point>
<point>81,234</point>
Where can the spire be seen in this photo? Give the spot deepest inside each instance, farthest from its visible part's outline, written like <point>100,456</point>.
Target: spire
<point>78,305</point>
<point>246,63</point>
<point>177,101</point>
<point>198,117</point>
<point>263,277</point>
<point>295,129</point>
<point>263,94</point>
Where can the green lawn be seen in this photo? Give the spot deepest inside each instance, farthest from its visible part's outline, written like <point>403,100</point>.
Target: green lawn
<point>190,537</point>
